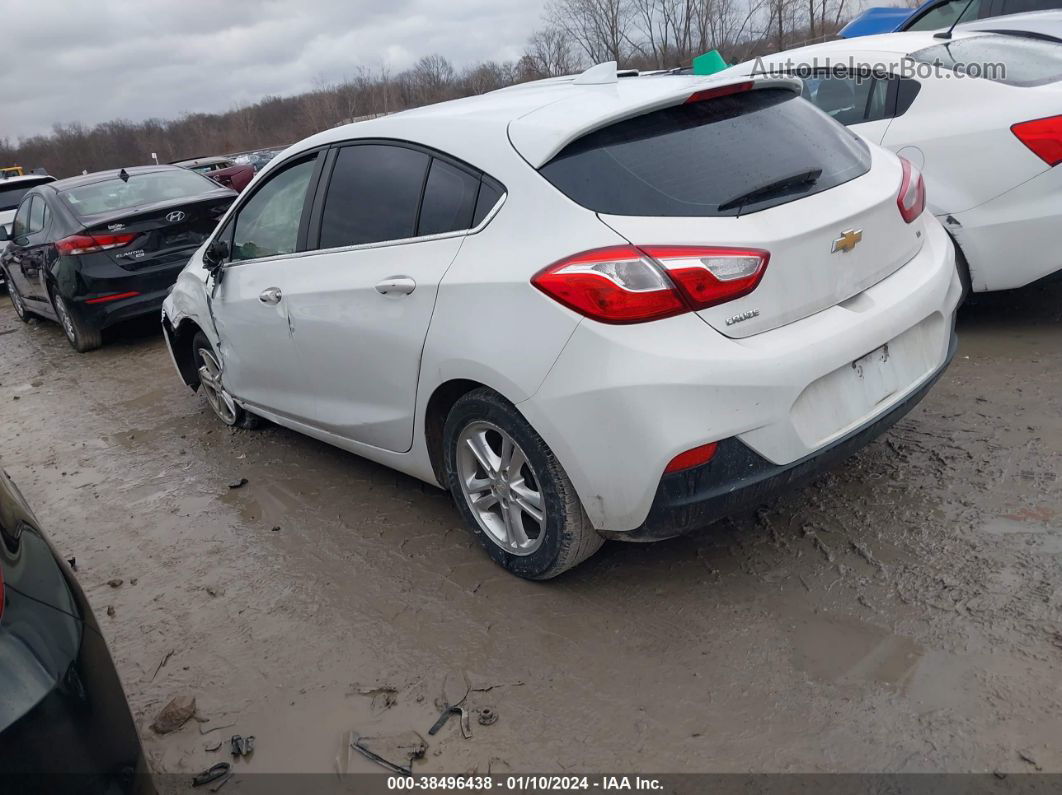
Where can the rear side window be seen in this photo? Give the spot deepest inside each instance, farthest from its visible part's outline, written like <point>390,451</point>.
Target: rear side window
<point>449,199</point>
<point>489,194</point>
<point>373,195</point>
<point>722,157</point>
<point>1015,61</point>
<point>37,215</point>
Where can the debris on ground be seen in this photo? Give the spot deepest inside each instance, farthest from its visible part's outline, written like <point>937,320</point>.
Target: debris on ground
<point>466,728</point>
<point>238,484</point>
<point>115,582</point>
<point>241,746</point>
<point>72,562</point>
<point>487,716</point>
<point>383,697</point>
<point>276,528</point>
<point>219,773</point>
<point>211,747</point>
<point>162,663</point>
<point>1026,756</point>
<point>110,611</point>
<point>174,715</point>
<point>396,752</point>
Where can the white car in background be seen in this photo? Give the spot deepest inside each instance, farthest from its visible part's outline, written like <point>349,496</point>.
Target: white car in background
<point>595,307</point>
<point>989,147</point>
<point>1045,25</point>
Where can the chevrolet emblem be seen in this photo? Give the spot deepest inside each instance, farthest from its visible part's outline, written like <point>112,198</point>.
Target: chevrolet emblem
<point>847,241</point>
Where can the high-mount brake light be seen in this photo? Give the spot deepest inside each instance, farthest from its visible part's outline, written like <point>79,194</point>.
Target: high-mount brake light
<point>721,91</point>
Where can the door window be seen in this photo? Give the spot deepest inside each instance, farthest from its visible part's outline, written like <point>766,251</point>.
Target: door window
<point>945,15</point>
<point>449,199</point>
<point>20,226</point>
<point>373,195</point>
<point>268,224</point>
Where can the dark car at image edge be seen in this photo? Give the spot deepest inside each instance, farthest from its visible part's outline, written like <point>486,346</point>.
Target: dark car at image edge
<point>94,250</point>
<point>65,725</point>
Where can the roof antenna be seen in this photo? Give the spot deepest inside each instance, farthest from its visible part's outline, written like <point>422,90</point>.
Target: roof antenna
<point>123,175</point>
<point>946,34</point>
<point>601,74</point>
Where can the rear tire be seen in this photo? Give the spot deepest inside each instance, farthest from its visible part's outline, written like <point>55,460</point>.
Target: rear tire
<point>208,365</point>
<point>81,336</point>
<point>17,301</point>
<point>512,491</point>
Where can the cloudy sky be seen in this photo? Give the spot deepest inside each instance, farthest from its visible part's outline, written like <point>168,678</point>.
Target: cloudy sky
<point>96,60</point>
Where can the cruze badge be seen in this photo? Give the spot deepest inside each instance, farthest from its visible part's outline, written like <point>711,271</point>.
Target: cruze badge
<point>743,316</point>
<point>848,240</point>
<point>175,216</point>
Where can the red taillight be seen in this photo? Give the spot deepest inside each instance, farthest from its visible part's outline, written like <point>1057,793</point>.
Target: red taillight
<point>721,91</point>
<point>614,285</point>
<point>692,458</point>
<point>912,197</point>
<point>88,244</point>
<point>710,276</point>
<point>628,284</point>
<point>1043,137</point>
<point>103,299</point>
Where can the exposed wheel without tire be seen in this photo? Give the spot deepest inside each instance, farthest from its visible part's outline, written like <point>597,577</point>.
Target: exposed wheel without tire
<point>17,301</point>
<point>82,337</point>
<point>208,365</point>
<point>512,491</point>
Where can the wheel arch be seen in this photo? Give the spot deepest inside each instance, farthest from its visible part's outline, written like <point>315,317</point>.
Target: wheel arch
<point>180,339</point>
<point>436,411</point>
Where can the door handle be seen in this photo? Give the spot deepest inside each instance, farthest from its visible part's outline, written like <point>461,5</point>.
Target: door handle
<point>396,285</point>
<point>271,295</point>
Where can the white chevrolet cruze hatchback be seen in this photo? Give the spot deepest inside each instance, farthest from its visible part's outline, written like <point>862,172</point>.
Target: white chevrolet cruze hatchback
<point>596,307</point>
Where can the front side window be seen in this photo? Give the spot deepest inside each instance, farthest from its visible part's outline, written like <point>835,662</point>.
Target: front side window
<point>373,195</point>
<point>946,14</point>
<point>20,226</point>
<point>268,224</point>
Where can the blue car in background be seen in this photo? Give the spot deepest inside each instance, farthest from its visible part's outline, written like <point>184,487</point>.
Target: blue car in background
<point>937,14</point>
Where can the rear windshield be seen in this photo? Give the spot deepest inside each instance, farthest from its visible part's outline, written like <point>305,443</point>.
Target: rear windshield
<point>11,193</point>
<point>721,157</point>
<point>113,195</point>
<point>1013,60</point>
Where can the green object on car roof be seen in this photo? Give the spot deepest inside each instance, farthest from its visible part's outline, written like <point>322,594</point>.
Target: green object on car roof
<point>709,63</point>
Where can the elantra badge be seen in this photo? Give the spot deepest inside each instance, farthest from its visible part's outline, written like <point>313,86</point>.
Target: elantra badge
<point>848,240</point>
<point>176,216</point>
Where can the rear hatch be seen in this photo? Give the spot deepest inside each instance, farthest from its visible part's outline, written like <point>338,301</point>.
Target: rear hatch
<point>151,220</point>
<point>757,169</point>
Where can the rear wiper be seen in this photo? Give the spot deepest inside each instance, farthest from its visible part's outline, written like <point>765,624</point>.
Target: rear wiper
<point>778,187</point>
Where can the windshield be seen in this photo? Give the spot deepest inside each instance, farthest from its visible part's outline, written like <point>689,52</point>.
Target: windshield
<point>11,193</point>
<point>152,187</point>
<point>726,156</point>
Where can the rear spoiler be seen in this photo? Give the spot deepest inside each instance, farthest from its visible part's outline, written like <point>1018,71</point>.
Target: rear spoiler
<point>541,134</point>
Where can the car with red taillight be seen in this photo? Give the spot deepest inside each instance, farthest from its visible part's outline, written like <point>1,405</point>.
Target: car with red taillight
<point>594,307</point>
<point>223,170</point>
<point>93,250</point>
<point>65,726</point>
<point>980,113</point>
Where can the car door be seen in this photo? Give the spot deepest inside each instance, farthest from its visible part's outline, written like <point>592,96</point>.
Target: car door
<point>26,253</point>
<point>387,226</point>
<point>265,235</point>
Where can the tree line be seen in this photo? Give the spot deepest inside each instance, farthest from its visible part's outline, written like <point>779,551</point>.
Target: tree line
<point>639,34</point>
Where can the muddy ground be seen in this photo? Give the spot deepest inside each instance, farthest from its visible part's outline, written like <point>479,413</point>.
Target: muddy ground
<point>901,614</point>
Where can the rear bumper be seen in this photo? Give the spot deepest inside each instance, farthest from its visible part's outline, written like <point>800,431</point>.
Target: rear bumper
<point>738,478</point>
<point>111,312</point>
<point>621,402</point>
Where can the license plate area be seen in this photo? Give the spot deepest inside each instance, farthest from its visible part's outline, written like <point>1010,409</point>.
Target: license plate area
<point>876,374</point>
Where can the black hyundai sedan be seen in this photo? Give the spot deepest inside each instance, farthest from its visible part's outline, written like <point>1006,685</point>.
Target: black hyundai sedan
<point>94,250</point>
<point>65,725</point>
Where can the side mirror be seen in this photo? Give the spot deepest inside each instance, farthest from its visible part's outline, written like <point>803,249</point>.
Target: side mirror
<point>215,255</point>
<point>4,236</point>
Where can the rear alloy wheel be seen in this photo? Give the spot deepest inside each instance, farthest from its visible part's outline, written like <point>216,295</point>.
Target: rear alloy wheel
<point>512,491</point>
<point>17,301</point>
<point>82,338</point>
<point>220,401</point>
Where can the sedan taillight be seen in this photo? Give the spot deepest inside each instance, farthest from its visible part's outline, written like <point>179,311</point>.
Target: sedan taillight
<point>1043,137</point>
<point>912,197</point>
<point>630,284</point>
<point>88,244</point>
